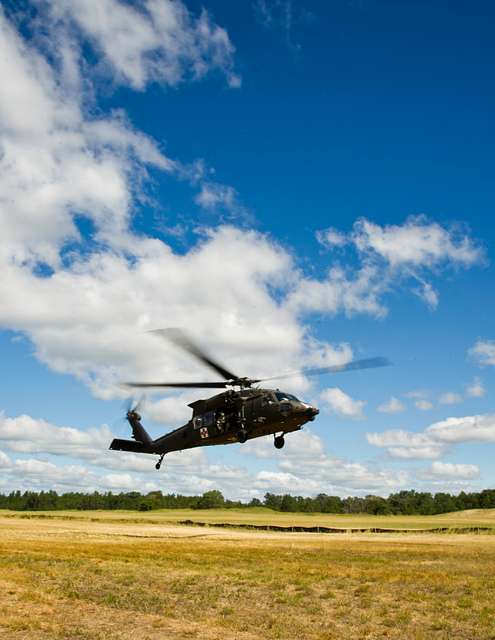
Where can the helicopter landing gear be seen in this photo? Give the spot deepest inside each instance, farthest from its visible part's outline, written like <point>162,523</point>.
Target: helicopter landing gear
<point>159,463</point>
<point>242,435</point>
<point>279,442</point>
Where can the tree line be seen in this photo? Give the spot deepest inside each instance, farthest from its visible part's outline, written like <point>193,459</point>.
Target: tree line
<point>401,503</point>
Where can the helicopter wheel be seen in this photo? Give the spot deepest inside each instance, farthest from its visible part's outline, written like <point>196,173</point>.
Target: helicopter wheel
<point>279,442</point>
<point>159,463</point>
<point>242,435</point>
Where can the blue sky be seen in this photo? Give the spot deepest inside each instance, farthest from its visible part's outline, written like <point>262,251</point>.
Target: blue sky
<point>295,184</point>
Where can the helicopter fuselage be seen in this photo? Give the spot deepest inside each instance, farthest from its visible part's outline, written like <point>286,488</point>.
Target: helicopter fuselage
<point>229,417</point>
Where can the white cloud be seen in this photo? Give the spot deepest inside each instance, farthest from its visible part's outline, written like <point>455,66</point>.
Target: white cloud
<point>212,195</point>
<point>157,41</point>
<point>389,256</point>
<point>423,405</point>
<point>416,395</point>
<point>301,445</point>
<point>89,316</point>
<point>416,243</point>
<point>420,400</point>
<point>406,444</point>
<point>450,398</point>
<point>450,470</point>
<point>394,405</point>
<point>303,465</point>
<point>342,291</point>
<point>484,352</point>
<point>342,404</point>
<point>427,293</point>
<point>222,199</point>
<point>28,435</point>
<point>468,429</point>
<point>54,157</point>
<point>331,238</point>
<point>476,389</point>
<point>334,475</point>
<point>436,439</point>
<point>91,302</point>
<point>187,471</point>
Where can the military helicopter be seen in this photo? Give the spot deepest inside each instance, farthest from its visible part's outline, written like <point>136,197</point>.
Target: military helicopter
<point>240,413</point>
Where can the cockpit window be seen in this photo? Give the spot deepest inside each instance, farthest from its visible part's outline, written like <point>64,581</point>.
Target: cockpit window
<point>281,396</point>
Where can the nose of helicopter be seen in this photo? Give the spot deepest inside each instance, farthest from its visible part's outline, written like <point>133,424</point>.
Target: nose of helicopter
<point>308,411</point>
<point>312,412</point>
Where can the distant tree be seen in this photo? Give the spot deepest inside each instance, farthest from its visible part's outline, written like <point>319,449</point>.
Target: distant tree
<point>288,503</point>
<point>272,501</point>
<point>255,502</point>
<point>444,503</point>
<point>376,505</point>
<point>211,500</point>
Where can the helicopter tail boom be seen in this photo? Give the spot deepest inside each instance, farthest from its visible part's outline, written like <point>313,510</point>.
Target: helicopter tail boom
<point>128,445</point>
<point>142,442</point>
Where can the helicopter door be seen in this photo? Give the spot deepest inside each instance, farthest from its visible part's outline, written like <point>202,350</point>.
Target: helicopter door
<point>249,408</point>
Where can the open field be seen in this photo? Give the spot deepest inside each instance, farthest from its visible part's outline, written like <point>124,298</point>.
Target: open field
<point>122,575</point>
<point>472,519</point>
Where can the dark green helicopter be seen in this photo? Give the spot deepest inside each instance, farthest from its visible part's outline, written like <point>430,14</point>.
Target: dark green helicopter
<point>241,413</point>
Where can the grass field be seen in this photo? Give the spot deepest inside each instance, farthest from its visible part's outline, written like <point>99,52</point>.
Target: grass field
<point>122,575</point>
<point>482,518</point>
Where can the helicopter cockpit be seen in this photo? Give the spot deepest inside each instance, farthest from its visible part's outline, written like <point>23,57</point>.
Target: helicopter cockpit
<point>282,396</point>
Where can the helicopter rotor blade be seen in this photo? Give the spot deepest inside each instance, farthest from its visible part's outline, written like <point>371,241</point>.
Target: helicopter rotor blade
<point>180,339</point>
<point>133,404</point>
<point>367,363</point>
<point>178,385</point>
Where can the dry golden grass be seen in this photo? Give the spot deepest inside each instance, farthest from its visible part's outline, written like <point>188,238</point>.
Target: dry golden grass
<point>261,516</point>
<point>90,580</point>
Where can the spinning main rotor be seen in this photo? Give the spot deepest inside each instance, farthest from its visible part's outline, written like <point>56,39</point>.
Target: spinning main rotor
<point>180,339</point>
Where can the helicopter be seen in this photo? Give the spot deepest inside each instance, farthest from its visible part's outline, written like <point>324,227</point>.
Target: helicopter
<point>240,413</point>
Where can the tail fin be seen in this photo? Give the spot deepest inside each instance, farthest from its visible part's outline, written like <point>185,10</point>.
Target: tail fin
<point>139,433</point>
<point>127,445</point>
<point>142,442</point>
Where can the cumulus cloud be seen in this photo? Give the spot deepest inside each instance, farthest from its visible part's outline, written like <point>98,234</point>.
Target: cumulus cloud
<point>92,302</point>
<point>449,470</point>
<point>420,400</point>
<point>394,405</point>
<point>303,466</point>
<point>390,255</point>
<point>95,467</point>
<point>423,405</point>
<point>406,444</point>
<point>25,434</point>
<point>436,439</point>
<point>476,389</point>
<point>342,291</point>
<point>479,428</point>
<point>417,243</point>
<point>94,294</point>
<point>303,445</point>
<point>450,398</point>
<point>223,200</point>
<point>342,404</point>
<point>484,352</point>
<point>331,238</point>
<point>337,476</point>
<point>155,41</point>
